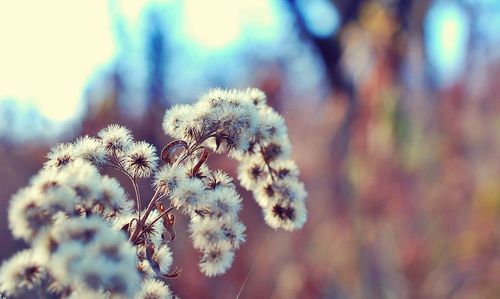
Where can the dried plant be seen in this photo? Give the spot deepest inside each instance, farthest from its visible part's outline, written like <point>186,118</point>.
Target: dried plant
<point>88,238</point>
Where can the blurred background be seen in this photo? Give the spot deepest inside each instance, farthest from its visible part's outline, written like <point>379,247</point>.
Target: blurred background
<point>393,109</point>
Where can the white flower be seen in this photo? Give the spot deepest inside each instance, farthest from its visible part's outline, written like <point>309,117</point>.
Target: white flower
<point>207,233</point>
<point>89,252</point>
<point>288,189</point>
<point>216,261</point>
<point>79,222</point>
<point>161,260</point>
<point>140,160</point>
<point>285,168</point>
<point>90,149</point>
<point>234,231</point>
<point>26,215</point>
<point>154,289</point>
<point>286,215</point>
<point>219,179</point>
<point>84,178</point>
<point>163,256</point>
<point>59,199</point>
<point>276,148</point>
<point>230,115</point>
<point>47,178</point>
<point>223,202</point>
<point>22,271</point>
<point>59,289</point>
<point>271,125</point>
<point>32,210</point>
<point>113,199</point>
<point>177,120</point>
<point>60,155</point>
<point>189,195</point>
<point>169,176</point>
<point>252,171</point>
<point>120,221</point>
<point>116,139</point>
<point>256,96</point>
<point>264,193</point>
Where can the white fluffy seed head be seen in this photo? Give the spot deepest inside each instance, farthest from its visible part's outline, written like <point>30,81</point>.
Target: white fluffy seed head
<point>154,289</point>
<point>234,231</point>
<point>285,169</point>
<point>90,149</point>
<point>154,233</point>
<point>112,200</point>
<point>288,189</point>
<point>21,205</point>
<point>84,179</point>
<point>116,139</point>
<point>189,195</point>
<point>207,233</point>
<point>87,251</point>
<point>271,125</point>
<point>177,120</point>
<point>216,261</point>
<point>252,171</point>
<point>276,148</point>
<point>163,257</point>
<point>27,214</point>
<point>22,271</point>
<point>219,179</point>
<point>140,160</point>
<point>189,169</point>
<point>47,178</point>
<point>223,203</point>
<point>60,155</point>
<point>256,96</point>
<point>169,177</point>
<point>286,215</point>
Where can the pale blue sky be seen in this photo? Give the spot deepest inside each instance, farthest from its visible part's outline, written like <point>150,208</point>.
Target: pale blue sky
<point>50,50</point>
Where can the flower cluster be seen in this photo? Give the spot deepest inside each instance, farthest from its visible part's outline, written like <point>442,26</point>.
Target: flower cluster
<point>241,124</point>
<point>89,238</point>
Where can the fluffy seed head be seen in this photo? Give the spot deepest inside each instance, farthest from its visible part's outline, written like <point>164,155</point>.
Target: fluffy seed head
<point>90,149</point>
<point>286,215</point>
<point>251,172</point>
<point>22,271</point>
<point>177,121</point>
<point>140,160</point>
<point>154,289</point>
<point>60,155</point>
<point>216,261</point>
<point>116,139</point>
<point>169,177</point>
<point>189,195</point>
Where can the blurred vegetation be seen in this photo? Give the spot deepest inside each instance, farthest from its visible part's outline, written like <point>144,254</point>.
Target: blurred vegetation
<point>403,173</point>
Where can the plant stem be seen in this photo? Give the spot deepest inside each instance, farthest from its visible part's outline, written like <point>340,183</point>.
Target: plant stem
<point>194,147</point>
<point>153,222</point>
<point>137,196</point>
<point>150,206</point>
<point>267,162</point>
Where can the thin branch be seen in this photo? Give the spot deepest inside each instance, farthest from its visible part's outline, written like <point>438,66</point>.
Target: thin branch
<point>153,222</point>
<point>252,266</point>
<point>194,147</point>
<point>151,204</point>
<point>117,164</point>
<point>269,168</point>
<point>137,196</point>
<point>130,227</point>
